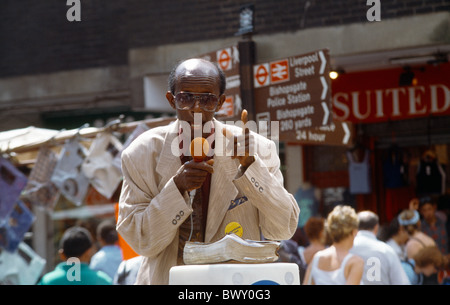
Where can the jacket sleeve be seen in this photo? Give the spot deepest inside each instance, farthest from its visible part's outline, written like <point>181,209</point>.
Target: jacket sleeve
<point>262,182</point>
<point>149,220</point>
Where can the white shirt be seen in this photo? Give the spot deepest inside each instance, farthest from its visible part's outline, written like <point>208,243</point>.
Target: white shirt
<point>328,277</point>
<point>381,264</point>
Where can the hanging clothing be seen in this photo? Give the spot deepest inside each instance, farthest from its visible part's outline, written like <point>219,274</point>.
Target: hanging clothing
<point>359,174</point>
<point>430,177</point>
<point>12,182</point>
<point>395,171</point>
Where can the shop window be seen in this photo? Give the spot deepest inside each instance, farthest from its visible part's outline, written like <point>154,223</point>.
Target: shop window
<point>329,158</point>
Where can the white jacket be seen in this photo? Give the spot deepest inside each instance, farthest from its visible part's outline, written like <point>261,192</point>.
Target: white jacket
<point>151,207</point>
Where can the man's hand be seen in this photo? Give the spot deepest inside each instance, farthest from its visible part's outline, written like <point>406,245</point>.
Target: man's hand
<point>191,175</point>
<point>242,142</point>
<point>414,204</point>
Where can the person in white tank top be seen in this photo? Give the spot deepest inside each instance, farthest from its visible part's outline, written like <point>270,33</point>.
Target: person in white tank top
<point>335,265</point>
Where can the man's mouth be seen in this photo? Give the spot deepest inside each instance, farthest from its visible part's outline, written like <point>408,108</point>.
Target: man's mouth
<point>196,126</point>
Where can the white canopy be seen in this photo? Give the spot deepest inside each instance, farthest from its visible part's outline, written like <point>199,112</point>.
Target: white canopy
<point>23,136</point>
<point>30,138</point>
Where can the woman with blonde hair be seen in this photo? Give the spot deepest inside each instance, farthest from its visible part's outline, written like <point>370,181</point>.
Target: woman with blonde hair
<point>335,265</point>
<point>410,221</point>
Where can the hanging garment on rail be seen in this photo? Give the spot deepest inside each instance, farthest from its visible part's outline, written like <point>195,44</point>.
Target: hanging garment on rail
<point>13,230</point>
<point>395,170</point>
<point>12,182</point>
<point>39,189</point>
<point>98,165</point>
<point>68,176</point>
<point>359,174</point>
<point>430,175</point>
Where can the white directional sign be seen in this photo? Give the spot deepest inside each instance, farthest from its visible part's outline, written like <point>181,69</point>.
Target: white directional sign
<point>294,91</point>
<point>336,134</point>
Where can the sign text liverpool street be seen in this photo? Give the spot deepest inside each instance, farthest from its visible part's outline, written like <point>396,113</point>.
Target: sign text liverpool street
<point>294,91</point>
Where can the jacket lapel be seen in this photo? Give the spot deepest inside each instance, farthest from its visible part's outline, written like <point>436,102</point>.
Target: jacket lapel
<point>169,162</point>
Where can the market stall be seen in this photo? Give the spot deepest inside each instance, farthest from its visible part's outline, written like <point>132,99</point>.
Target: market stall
<point>53,179</point>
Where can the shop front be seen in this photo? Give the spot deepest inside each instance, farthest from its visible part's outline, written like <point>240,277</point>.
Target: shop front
<point>401,145</point>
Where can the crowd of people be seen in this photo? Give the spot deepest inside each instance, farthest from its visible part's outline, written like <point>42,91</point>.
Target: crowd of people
<point>349,247</point>
<point>346,247</point>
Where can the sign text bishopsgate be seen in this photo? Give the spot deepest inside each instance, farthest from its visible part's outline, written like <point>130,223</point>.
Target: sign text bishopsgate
<point>294,91</point>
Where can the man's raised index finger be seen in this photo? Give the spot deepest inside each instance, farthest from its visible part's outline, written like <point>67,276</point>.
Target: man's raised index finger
<point>244,119</point>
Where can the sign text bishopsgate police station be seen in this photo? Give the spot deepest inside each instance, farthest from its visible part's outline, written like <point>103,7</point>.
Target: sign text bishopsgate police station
<point>294,91</point>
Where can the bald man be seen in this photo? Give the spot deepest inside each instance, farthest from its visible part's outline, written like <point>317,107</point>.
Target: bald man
<point>168,198</point>
<point>382,265</point>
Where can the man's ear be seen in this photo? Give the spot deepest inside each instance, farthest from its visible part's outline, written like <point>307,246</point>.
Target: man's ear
<point>171,99</point>
<point>221,101</point>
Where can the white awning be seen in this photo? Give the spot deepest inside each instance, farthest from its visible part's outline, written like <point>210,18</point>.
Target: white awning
<point>24,136</point>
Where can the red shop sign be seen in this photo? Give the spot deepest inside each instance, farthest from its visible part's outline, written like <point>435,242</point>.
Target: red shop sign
<point>375,96</point>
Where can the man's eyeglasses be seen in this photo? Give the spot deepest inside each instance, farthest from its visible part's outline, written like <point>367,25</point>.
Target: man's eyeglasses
<point>186,100</point>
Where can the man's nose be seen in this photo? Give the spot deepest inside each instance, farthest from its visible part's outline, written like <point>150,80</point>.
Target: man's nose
<point>196,107</point>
